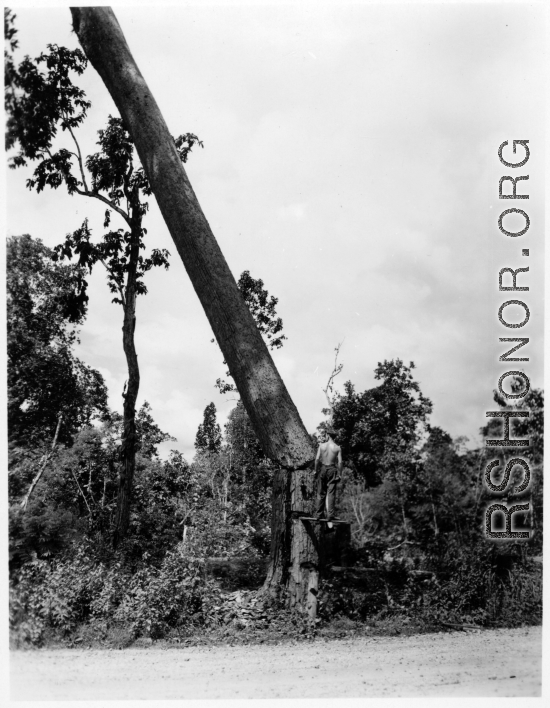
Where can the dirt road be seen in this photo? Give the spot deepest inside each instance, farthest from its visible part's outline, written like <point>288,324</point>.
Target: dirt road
<point>477,663</point>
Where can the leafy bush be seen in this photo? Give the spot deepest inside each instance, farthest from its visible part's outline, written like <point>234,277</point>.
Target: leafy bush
<point>64,594</point>
<point>51,594</point>
<point>40,531</point>
<point>475,583</point>
<point>156,600</point>
<point>476,586</point>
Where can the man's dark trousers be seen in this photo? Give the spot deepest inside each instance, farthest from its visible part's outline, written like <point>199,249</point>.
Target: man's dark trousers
<point>327,479</point>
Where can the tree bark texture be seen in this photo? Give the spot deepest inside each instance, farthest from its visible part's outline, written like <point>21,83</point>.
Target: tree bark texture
<point>128,445</point>
<point>272,412</point>
<point>306,555</point>
<point>293,553</point>
<point>279,563</point>
<point>301,550</point>
<point>129,438</point>
<point>315,549</point>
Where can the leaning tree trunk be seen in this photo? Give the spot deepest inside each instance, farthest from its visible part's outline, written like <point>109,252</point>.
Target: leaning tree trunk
<point>43,464</point>
<point>272,412</point>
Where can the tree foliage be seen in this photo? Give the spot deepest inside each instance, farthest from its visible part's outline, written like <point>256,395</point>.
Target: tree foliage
<point>442,492</point>
<point>262,306</point>
<point>209,435</point>
<point>45,303</point>
<point>229,500</point>
<point>252,473</point>
<point>76,498</point>
<point>10,45</point>
<point>380,429</point>
<point>113,173</point>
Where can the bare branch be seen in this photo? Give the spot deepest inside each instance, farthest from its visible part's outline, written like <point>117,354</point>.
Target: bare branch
<point>79,157</point>
<point>86,192</point>
<point>110,204</point>
<point>80,490</point>
<point>44,463</point>
<point>44,152</point>
<point>329,387</point>
<point>403,543</point>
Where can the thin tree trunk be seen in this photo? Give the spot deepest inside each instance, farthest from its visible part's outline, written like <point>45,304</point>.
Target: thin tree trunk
<point>358,510</point>
<point>457,526</point>
<point>225,497</point>
<point>272,413</point>
<point>128,445</point>
<point>404,520</point>
<point>81,492</point>
<point>222,493</point>
<point>402,504</point>
<point>328,389</point>
<point>479,488</point>
<point>436,530</point>
<point>45,460</point>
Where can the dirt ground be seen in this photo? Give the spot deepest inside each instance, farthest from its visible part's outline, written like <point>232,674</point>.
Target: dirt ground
<point>502,662</point>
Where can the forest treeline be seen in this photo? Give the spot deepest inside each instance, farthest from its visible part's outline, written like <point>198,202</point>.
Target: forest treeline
<point>415,499</point>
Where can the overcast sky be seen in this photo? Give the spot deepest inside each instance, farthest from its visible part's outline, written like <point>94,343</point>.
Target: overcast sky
<point>350,161</point>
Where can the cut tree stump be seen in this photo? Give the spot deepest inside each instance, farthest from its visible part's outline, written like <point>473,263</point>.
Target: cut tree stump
<point>315,548</point>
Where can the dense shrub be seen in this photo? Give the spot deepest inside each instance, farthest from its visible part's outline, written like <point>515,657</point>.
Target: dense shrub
<point>63,594</point>
<point>451,583</point>
<point>54,594</point>
<point>483,583</point>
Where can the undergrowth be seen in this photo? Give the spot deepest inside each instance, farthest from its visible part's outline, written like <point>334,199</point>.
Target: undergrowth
<point>82,601</point>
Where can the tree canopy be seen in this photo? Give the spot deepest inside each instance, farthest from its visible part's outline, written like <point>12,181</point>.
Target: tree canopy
<point>381,428</point>
<point>45,303</point>
<point>209,436</point>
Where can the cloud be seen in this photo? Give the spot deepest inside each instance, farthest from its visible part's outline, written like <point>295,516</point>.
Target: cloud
<point>292,212</point>
<point>357,185</point>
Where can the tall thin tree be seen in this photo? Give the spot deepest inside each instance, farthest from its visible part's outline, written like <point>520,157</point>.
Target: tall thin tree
<point>45,102</point>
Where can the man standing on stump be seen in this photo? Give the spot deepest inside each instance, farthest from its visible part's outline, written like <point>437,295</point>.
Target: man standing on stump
<point>329,458</point>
